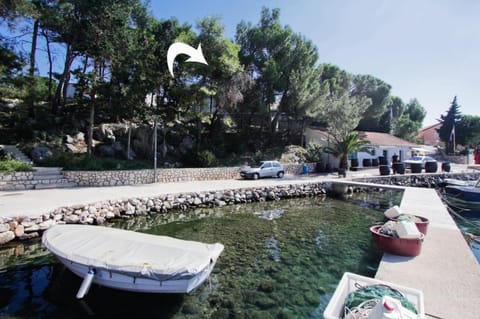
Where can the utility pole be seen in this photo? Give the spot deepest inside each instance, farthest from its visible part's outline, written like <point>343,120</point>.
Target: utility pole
<point>155,120</point>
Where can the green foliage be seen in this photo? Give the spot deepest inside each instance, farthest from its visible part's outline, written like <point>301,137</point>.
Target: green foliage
<point>269,75</point>
<point>467,130</point>
<point>314,152</point>
<point>410,122</point>
<point>378,92</point>
<point>85,162</point>
<point>448,122</point>
<point>283,64</point>
<point>344,112</point>
<point>10,166</point>
<point>10,63</point>
<point>347,144</point>
<point>258,157</point>
<point>205,158</point>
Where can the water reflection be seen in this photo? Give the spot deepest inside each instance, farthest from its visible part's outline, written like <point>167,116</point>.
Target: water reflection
<point>270,214</point>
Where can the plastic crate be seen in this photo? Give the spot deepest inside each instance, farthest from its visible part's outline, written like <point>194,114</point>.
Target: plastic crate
<point>335,307</point>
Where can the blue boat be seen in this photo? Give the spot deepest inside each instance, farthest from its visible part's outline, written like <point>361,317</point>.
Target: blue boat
<point>465,197</point>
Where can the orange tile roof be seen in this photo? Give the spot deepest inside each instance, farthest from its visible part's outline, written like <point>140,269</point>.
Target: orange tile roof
<point>385,139</point>
<point>374,138</point>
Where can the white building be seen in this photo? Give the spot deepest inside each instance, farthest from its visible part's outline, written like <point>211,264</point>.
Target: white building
<point>382,144</point>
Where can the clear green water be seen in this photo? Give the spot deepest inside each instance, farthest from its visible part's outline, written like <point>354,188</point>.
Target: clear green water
<point>281,260</point>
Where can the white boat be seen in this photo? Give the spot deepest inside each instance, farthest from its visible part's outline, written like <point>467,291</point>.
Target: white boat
<point>131,261</point>
<point>458,182</point>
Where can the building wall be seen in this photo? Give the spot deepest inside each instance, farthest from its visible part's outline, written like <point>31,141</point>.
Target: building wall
<point>319,137</point>
<point>429,136</point>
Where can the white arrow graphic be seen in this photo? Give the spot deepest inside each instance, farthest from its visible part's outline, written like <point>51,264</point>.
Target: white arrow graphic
<point>195,55</point>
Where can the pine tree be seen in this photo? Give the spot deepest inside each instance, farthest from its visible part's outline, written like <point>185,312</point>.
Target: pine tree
<point>447,131</point>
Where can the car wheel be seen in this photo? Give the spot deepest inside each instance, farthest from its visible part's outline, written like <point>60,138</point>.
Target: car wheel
<point>255,176</point>
<point>280,174</point>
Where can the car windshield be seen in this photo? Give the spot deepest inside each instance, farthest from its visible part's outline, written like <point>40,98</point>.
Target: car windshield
<point>416,158</point>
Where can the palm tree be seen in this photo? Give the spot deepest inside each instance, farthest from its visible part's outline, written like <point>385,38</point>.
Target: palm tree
<point>347,144</point>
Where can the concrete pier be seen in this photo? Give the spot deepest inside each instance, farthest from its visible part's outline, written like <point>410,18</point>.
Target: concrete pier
<point>446,270</point>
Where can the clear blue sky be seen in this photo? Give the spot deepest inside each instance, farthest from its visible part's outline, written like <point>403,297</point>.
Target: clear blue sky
<point>425,49</point>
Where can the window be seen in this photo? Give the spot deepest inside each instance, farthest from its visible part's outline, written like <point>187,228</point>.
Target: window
<point>266,165</point>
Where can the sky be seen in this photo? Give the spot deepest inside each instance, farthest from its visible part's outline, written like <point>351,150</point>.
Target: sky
<point>425,49</point>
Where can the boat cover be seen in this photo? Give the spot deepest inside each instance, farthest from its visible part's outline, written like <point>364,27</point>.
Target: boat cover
<point>138,254</point>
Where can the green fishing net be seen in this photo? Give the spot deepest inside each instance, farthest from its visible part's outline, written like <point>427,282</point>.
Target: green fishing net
<point>355,298</point>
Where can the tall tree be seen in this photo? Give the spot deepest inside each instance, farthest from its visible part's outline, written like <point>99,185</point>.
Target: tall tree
<point>448,123</point>
<point>388,120</point>
<point>340,110</point>
<point>10,62</point>
<point>379,93</point>
<point>224,64</point>
<point>276,57</point>
<point>467,130</point>
<point>410,121</point>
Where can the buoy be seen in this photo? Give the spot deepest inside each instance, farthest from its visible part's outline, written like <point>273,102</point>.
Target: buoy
<point>86,283</point>
<point>390,308</point>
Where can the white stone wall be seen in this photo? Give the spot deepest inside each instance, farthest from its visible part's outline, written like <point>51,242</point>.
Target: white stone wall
<point>25,180</point>
<point>164,175</point>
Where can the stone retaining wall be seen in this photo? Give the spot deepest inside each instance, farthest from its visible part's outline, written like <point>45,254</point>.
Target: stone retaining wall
<point>164,175</point>
<point>16,180</point>
<point>16,176</point>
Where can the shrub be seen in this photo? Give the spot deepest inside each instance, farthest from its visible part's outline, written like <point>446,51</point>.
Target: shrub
<point>314,152</point>
<point>11,166</point>
<point>85,162</point>
<point>205,158</point>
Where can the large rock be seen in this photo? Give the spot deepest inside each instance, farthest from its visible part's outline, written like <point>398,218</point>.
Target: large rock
<point>110,132</point>
<point>76,143</point>
<point>6,237</point>
<point>293,154</point>
<point>4,228</point>
<point>40,153</point>
<point>142,140</point>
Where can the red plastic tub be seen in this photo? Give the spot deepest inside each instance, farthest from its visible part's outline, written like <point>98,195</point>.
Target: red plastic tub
<point>396,246</point>
<point>422,225</point>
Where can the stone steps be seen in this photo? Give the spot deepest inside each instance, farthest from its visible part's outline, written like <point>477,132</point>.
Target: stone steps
<point>41,178</point>
<point>13,151</point>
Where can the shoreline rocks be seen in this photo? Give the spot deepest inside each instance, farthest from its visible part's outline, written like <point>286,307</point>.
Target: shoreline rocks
<point>98,213</point>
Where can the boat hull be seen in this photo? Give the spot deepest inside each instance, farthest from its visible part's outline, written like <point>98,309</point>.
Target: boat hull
<point>127,282</point>
<point>131,261</point>
<point>463,197</point>
<point>469,194</point>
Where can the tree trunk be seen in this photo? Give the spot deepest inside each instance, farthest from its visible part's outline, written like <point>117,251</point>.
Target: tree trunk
<point>91,123</point>
<point>344,162</point>
<point>50,66</point>
<point>58,100</point>
<point>90,128</point>
<point>31,72</point>
<point>129,139</point>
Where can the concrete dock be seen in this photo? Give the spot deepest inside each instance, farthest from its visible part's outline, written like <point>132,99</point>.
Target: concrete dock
<point>446,270</point>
